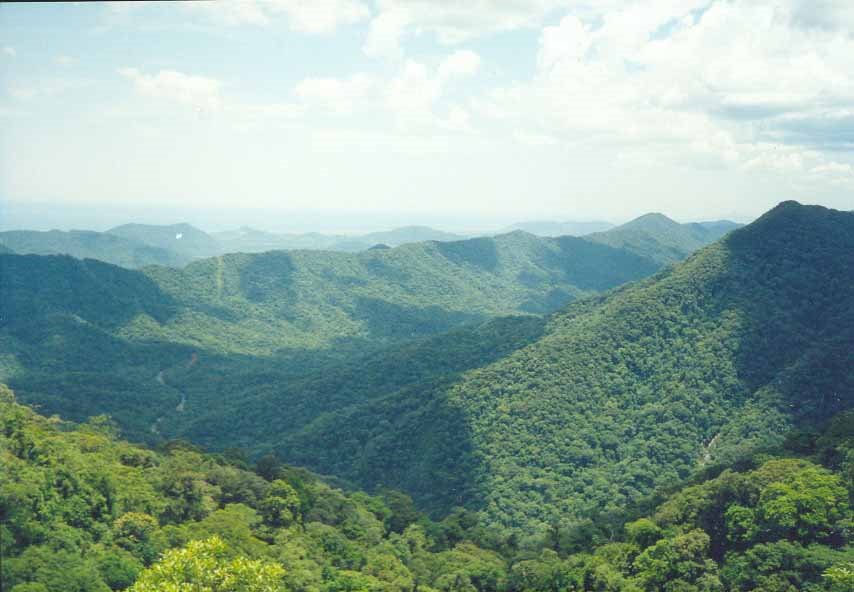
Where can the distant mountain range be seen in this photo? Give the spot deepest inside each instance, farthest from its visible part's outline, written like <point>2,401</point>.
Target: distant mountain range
<point>551,228</point>
<point>85,244</point>
<point>138,245</point>
<point>658,237</point>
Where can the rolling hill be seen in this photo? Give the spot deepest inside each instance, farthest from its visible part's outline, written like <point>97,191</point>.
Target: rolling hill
<point>85,244</point>
<point>625,392</point>
<point>569,228</point>
<point>187,241</point>
<point>658,237</point>
<point>104,334</point>
<point>390,368</point>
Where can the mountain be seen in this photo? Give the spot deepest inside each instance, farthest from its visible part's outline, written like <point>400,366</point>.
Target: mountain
<point>183,239</point>
<point>389,367</point>
<point>127,514</point>
<point>249,240</point>
<point>624,392</point>
<point>85,244</point>
<point>176,517</point>
<point>658,237</point>
<point>133,344</point>
<point>409,234</point>
<point>552,228</point>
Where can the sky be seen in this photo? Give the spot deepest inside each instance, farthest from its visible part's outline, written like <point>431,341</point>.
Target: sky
<point>338,114</point>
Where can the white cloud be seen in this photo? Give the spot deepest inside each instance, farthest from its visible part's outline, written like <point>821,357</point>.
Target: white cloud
<point>321,16</point>
<point>414,96</point>
<point>722,84</point>
<point>453,22</point>
<point>459,64</point>
<point>197,91</point>
<point>9,51</point>
<point>316,16</point>
<point>339,95</point>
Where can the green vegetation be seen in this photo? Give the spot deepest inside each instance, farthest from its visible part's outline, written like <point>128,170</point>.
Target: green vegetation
<point>550,228</point>
<point>671,434</point>
<point>187,241</point>
<point>84,511</point>
<point>100,335</point>
<point>661,239</point>
<point>85,244</point>
<point>622,393</point>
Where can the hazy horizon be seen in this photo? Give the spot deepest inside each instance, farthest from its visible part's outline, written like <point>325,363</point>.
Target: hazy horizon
<point>355,115</point>
<point>42,216</point>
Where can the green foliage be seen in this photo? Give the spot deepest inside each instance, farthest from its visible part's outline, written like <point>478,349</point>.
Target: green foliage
<point>625,393</point>
<point>85,512</point>
<point>203,566</point>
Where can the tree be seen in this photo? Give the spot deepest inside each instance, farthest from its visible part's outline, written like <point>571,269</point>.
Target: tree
<point>841,576</point>
<point>203,566</point>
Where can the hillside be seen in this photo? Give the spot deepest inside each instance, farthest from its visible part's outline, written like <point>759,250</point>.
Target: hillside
<point>250,240</point>
<point>408,234</point>
<point>183,239</point>
<point>552,228</point>
<point>85,244</point>
<point>625,392</point>
<point>261,303</point>
<point>661,239</point>
<point>85,511</point>
<point>102,335</point>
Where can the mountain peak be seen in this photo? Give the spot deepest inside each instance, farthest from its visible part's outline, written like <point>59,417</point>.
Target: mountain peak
<point>651,218</point>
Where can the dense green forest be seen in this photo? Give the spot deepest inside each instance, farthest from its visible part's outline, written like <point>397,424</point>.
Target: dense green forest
<point>137,245</point>
<point>661,239</point>
<point>565,415</point>
<point>83,511</point>
<point>624,392</point>
<point>100,335</point>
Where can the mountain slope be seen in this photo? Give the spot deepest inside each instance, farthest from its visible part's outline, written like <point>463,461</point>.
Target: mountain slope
<point>184,239</point>
<point>408,234</point>
<point>658,237</point>
<point>85,244</point>
<point>223,331</point>
<point>249,240</point>
<point>626,392</point>
<point>85,511</point>
<point>296,299</point>
<point>551,228</point>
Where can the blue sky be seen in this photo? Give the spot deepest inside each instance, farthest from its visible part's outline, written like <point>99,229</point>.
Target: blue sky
<point>352,113</point>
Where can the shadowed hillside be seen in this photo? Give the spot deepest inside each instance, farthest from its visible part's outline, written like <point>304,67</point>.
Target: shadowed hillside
<point>632,390</point>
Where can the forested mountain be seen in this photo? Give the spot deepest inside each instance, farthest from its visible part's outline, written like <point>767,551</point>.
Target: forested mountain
<point>84,511</point>
<point>187,241</point>
<point>5,250</point>
<point>658,237</point>
<point>624,392</point>
<point>408,234</point>
<point>83,244</point>
<point>249,240</point>
<point>551,228</point>
<point>400,368</point>
<point>120,342</point>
